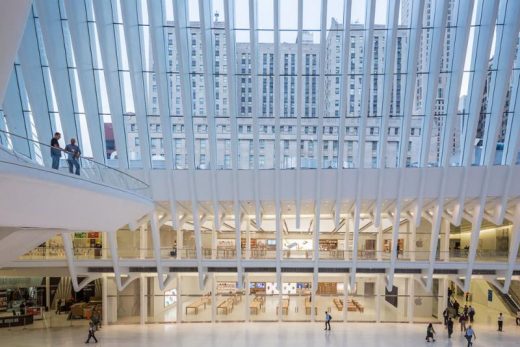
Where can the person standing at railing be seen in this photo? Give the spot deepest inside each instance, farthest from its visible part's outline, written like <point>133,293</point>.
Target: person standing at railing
<point>73,153</point>
<point>56,151</point>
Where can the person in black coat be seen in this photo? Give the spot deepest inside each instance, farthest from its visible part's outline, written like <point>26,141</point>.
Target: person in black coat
<point>450,327</point>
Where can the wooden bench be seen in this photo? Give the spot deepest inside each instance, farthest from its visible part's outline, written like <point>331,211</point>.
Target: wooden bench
<point>308,307</point>
<point>358,306</point>
<point>255,306</point>
<point>338,303</point>
<point>225,306</point>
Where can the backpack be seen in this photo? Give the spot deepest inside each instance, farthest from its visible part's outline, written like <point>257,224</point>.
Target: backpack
<point>330,317</point>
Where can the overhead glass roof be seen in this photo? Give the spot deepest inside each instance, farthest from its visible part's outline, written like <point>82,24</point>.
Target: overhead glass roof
<point>270,84</point>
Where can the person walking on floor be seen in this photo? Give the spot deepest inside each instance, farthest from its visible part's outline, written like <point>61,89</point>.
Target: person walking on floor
<point>456,306</point>
<point>430,332</point>
<point>91,332</point>
<point>55,151</point>
<point>471,314</point>
<point>328,318</point>
<point>450,327</point>
<point>445,315</point>
<point>470,335</point>
<point>58,306</point>
<point>73,153</point>
<point>518,318</point>
<point>462,321</point>
<point>500,322</point>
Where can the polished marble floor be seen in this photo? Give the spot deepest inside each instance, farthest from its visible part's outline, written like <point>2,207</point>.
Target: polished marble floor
<point>257,335</point>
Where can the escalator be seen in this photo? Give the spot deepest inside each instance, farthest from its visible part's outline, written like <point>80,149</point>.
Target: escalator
<point>508,299</point>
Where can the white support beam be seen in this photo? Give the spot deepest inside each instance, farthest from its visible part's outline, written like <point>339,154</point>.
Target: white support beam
<point>133,49</point>
<point>255,107</point>
<point>69,252</point>
<point>502,64</point>
<point>299,113</point>
<point>80,38</point>
<point>366,85</point>
<point>156,242</point>
<point>514,244</point>
<point>108,48</point>
<point>411,76</point>
<point>181,34</point>
<point>114,255</point>
<point>30,63</point>
<point>487,13</point>
<point>390,49</point>
<point>209,89</point>
<point>53,37</point>
<point>229,25</point>
<point>345,52</point>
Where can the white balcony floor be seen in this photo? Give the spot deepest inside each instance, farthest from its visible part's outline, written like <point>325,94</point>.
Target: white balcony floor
<point>260,334</point>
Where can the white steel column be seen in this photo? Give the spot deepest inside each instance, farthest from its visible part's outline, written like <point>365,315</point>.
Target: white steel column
<point>255,90</point>
<point>411,297</point>
<point>104,299</point>
<point>346,286</point>
<point>179,297</point>
<point>390,48</point>
<point>48,293</point>
<point>133,49</point>
<point>320,111</point>
<point>347,7</point>
<point>367,68</point>
<point>80,38</point>
<point>445,246</point>
<point>53,37</point>
<point>69,252</point>
<point>107,43</point>
<point>156,241</point>
<point>505,52</point>
<point>299,113</point>
<point>209,89</point>
<point>514,244</point>
<point>181,34</point>
<point>413,238</point>
<point>378,297</point>
<point>229,10</point>
<point>142,299</point>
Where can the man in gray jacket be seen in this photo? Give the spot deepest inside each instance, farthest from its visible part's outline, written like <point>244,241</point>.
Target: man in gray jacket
<point>73,153</point>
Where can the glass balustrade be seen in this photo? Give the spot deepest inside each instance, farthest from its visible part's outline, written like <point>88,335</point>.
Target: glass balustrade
<point>36,154</point>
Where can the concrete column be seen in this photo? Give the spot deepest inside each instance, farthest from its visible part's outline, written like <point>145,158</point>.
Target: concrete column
<point>143,312</point>
<point>179,297</point>
<point>104,298</point>
<point>411,298</point>
<point>213,244</point>
<point>180,243</point>
<point>248,238</point>
<point>213,297</point>
<point>143,241</point>
<point>345,297</point>
<point>379,242</point>
<point>444,283</point>
<point>347,228</point>
<point>247,298</point>
<point>104,245</point>
<point>445,245</point>
<point>378,297</point>
<point>48,293</point>
<point>413,237</point>
<point>313,296</point>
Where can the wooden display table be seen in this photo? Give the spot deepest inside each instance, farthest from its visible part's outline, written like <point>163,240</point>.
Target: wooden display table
<point>285,307</point>
<point>194,306</point>
<point>308,307</point>
<point>225,306</point>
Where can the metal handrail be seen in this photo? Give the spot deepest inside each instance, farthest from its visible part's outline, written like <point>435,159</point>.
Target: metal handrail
<point>92,168</point>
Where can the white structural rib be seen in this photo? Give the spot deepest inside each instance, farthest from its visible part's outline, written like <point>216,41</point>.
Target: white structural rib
<point>505,51</point>
<point>229,10</point>
<point>69,252</point>
<point>53,37</point>
<point>390,48</point>
<point>435,51</point>
<point>30,63</point>
<point>133,49</point>
<point>299,113</point>
<point>156,241</point>
<point>107,43</point>
<point>513,249</point>
<point>486,16</point>
<point>464,11</point>
<point>255,89</point>
<point>369,38</point>
<point>413,54</point>
<point>80,38</point>
<point>209,89</point>
<point>181,34</point>
<point>347,8</point>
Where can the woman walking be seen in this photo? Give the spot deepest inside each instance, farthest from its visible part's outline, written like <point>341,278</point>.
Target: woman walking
<point>430,332</point>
